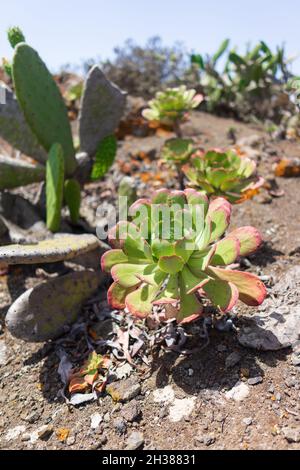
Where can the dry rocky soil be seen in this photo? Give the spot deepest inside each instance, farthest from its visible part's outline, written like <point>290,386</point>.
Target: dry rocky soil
<point>223,396</point>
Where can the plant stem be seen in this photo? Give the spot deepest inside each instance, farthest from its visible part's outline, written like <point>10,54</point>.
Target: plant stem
<point>177,129</point>
<point>178,133</point>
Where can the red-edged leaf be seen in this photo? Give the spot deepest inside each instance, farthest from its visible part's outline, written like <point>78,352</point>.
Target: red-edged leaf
<point>249,238</point>
<point>252,291</point>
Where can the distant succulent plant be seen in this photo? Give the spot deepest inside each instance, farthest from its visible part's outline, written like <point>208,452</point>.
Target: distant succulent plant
<point>224,174</point>
<point>171,105</point>
<point>178,151</point>
<point>169,254</point>
<point>7,67</point>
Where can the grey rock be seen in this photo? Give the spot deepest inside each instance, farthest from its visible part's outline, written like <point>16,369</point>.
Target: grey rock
<point>102,107</point>
<point>3,353</point>
<point>295,360</point>
<point>124,390</point>
<point>15,130</point>
<point>135,441</point>
<point>59,248</point>
<point>120,426</point>
<point>32,417</point>
<point>209,440</point>
<point>18,210</point>
<point>232,360</point>
<point>291,434</point>
<point>276,328</point>
<point>131,411</point>
<point>44,312</point>
<point>255,380</point>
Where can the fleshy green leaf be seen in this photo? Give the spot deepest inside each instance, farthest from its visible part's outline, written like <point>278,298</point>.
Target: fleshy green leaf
<point>222,294</point>
<point>105,157</point>
<point>251,290</point>
<point>171,264</point>
<point>227,251</point>
<point>249,238</point>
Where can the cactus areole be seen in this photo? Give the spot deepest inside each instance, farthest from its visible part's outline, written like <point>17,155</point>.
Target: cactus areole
<point>171,253</point>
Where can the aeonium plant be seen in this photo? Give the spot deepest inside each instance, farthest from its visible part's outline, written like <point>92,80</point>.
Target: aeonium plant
<point>170,106</point>
<point>225,174</point>
<point>171,254</point>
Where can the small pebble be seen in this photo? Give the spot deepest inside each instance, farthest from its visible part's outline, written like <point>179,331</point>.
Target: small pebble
<point>255,380</point>
<point>247,421</point>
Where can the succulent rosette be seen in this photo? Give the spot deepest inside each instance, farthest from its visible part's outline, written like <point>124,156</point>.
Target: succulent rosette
<point>183,263</point>
<point>225,174</point>
<point>177,150</point>
<point>171,105</point>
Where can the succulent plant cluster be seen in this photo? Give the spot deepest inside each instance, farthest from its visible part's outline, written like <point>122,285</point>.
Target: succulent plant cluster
<point>250,84</point>
<point>183,262</point>
<point>220,173</point>
<point>171,105</point>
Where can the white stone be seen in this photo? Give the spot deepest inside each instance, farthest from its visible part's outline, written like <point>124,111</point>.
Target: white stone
<point>239,392</point>
<point>3,353</point>
<point>96,419</point>
<point>164,395</point>
<point>181,409</point>
<point>14,433</point>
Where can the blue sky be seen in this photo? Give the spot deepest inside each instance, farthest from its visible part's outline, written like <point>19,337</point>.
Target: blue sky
<point>71,30</point>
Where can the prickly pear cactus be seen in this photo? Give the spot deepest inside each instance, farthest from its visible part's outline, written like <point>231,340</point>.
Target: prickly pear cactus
<point>104,157</point>
<point>73,198</point>
<point>15,36</point>
<point>54,187</point>
<point>43,313</point>
<point>15,130</point>
<point>14,173</point>
<point>42,103</point>
<point>60,248</point>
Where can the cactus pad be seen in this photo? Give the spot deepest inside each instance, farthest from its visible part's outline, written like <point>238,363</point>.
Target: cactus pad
<point>42,103</point>
<point>15,173</point>
<point>15,36</point>
<point>60,248</point>
<point>102,107</point>
<point>54,187</point>
<point>104,157</point>
<point>15,130</point>
<point>42,313</point>
<point>73,198</point>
